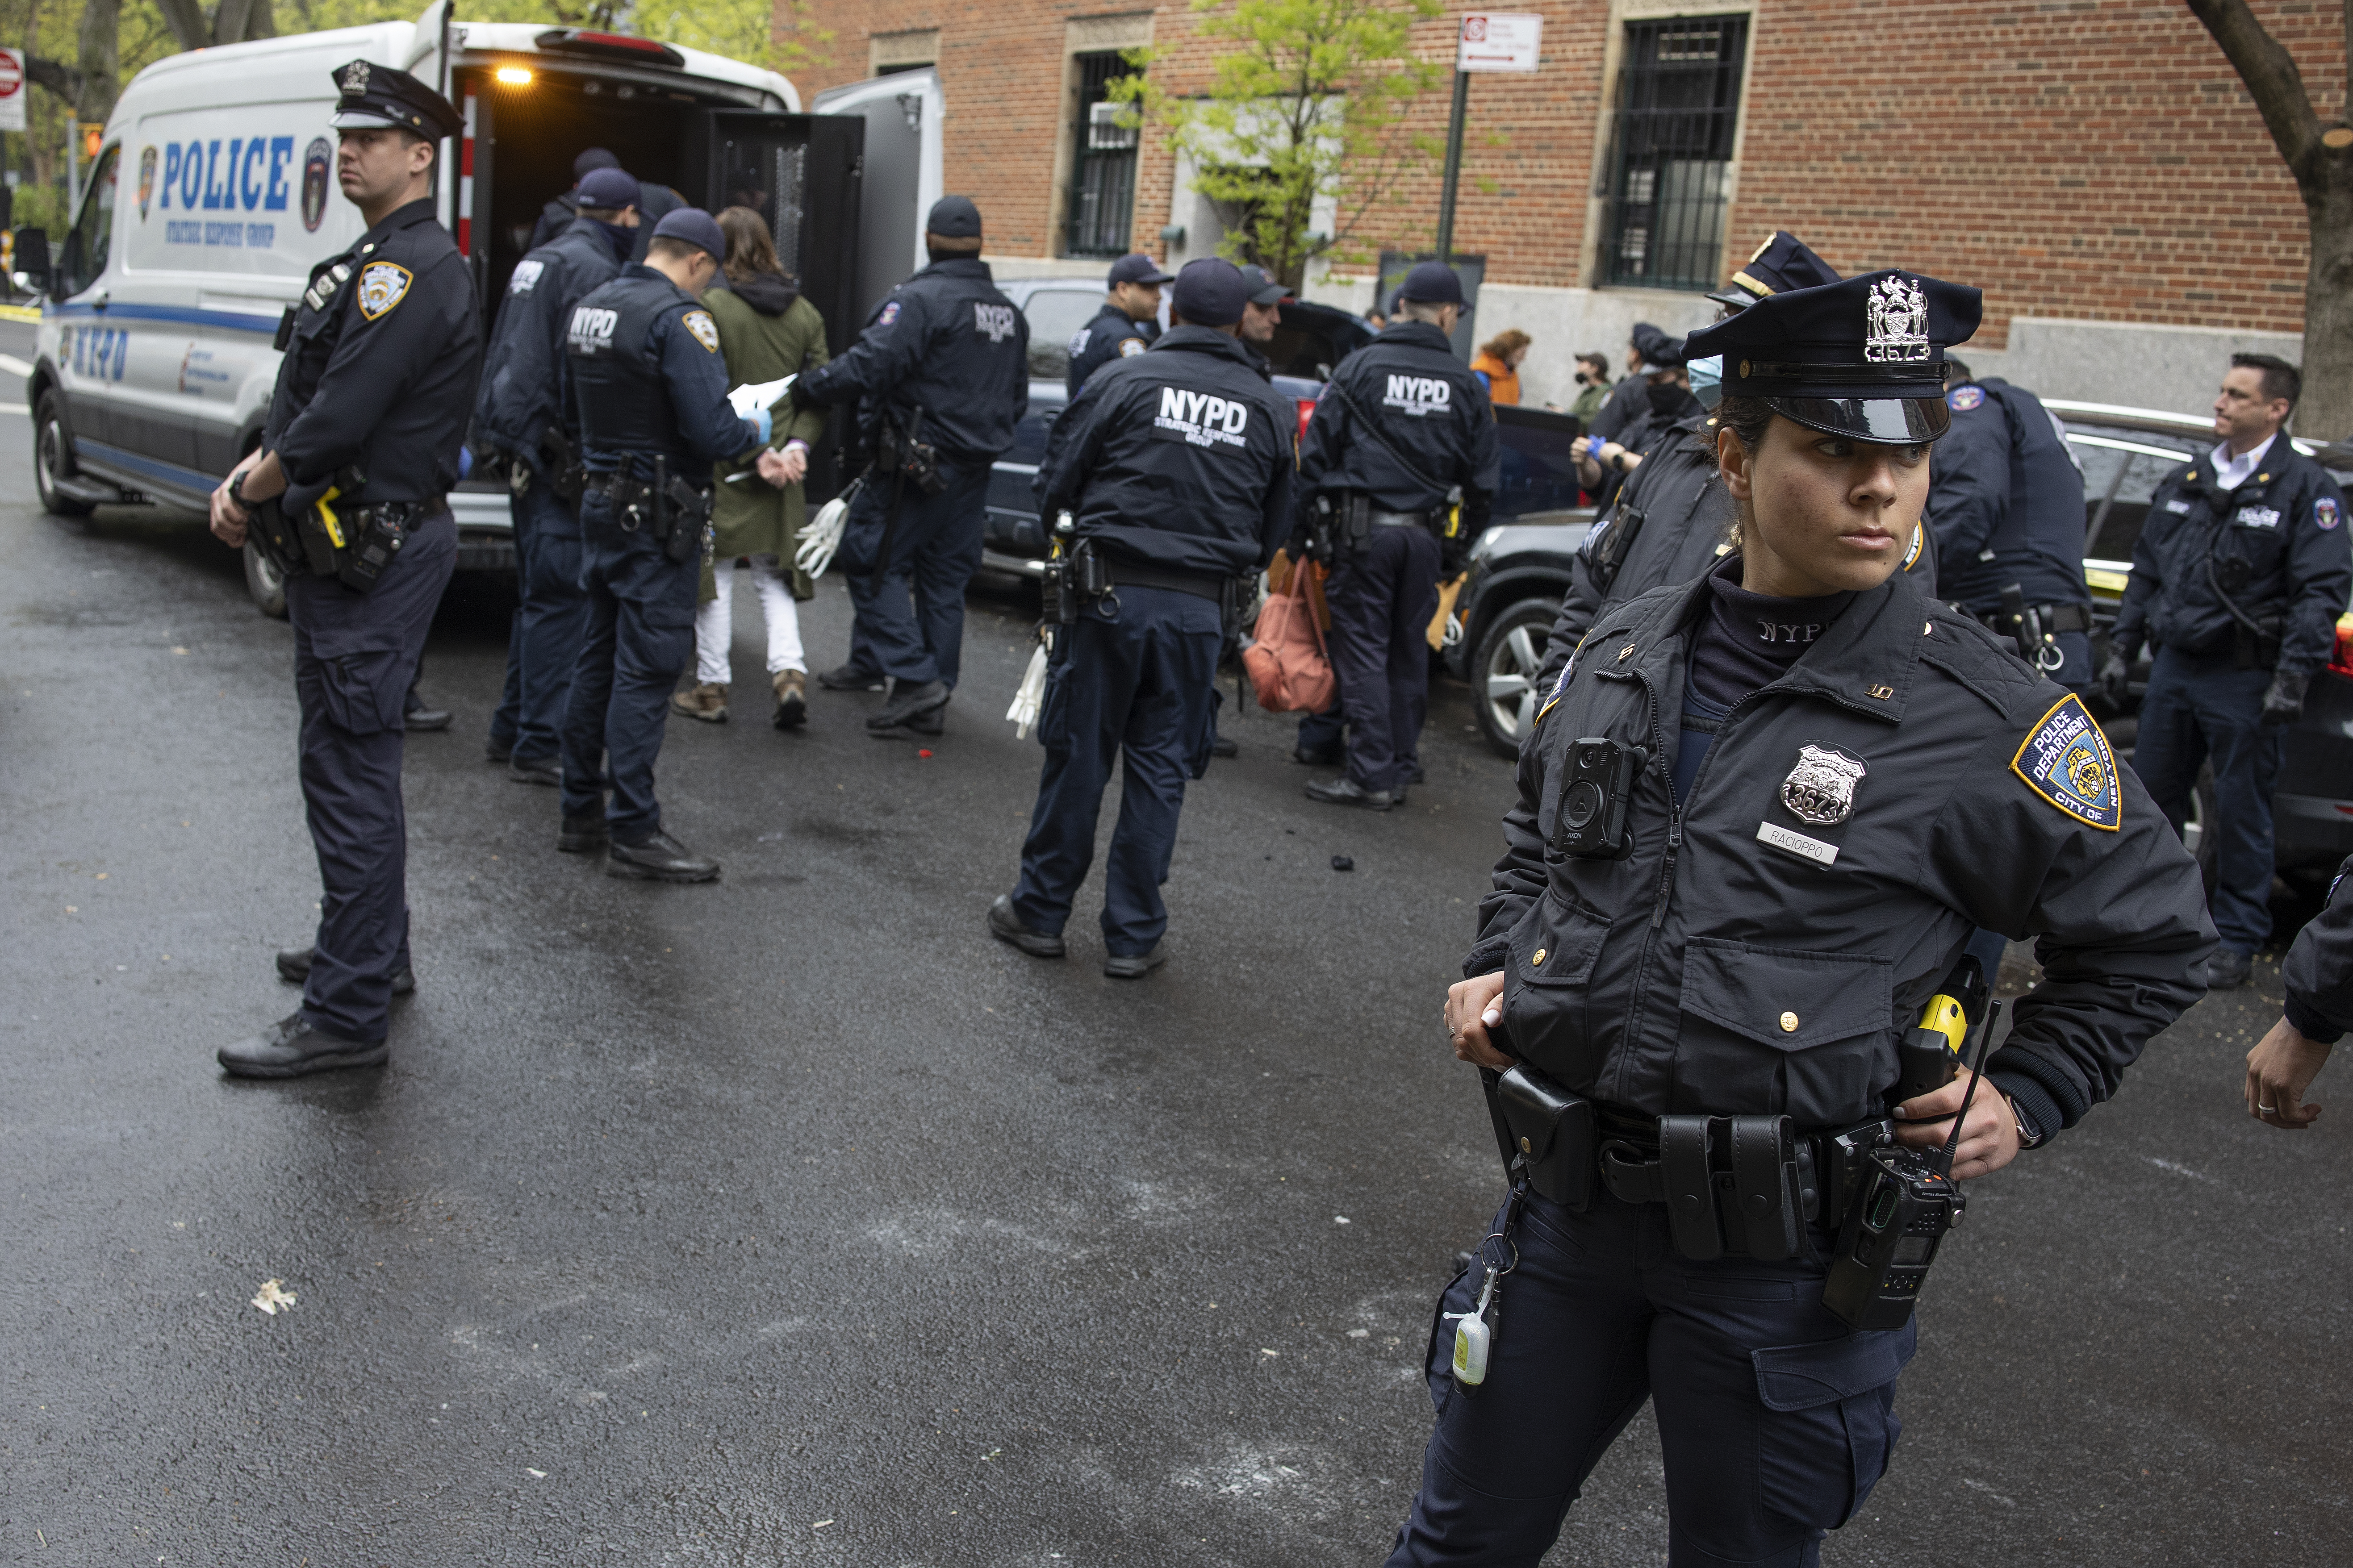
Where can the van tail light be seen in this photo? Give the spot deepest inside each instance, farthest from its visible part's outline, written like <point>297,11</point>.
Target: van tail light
<point>1308,412</point>
<point>2340,656</point>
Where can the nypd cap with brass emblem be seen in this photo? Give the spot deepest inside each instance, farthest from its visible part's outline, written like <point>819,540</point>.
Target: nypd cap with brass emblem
<point>1781,264</point>
<point>369,95</point>
<point>1864,357</point>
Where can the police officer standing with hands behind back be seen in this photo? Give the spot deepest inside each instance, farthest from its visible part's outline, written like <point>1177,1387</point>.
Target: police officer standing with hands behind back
<point>1175,469</point>
<point>1127,324</point>
<point>348,493</point>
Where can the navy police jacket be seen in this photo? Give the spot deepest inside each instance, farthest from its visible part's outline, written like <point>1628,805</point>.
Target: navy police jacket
<point>944,342</point>
<point>1675,521</point>
<point>519,389</point>
<point>1409,383</point>
<point>2005,500</point>
<point>1179,459</point>
<point>2318,969</point>
<point>2283,529</point>
<point>1774,934</point>
<point>1113,334</point>
<point>642,364</point>
<point>380,369</point>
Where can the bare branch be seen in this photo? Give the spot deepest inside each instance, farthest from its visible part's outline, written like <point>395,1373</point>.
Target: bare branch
<point>186,20</point>
<point>2271,78</point>
<point>55,75</point>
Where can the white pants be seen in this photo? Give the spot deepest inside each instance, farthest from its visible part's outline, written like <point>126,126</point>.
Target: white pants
<point>714,623</point>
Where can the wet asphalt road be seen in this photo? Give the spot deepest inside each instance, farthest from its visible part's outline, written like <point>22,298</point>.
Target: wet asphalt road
<point>793,1220</point>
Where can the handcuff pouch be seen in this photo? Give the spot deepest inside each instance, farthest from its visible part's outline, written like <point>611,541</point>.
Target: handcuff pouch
<point>1550,1131</point>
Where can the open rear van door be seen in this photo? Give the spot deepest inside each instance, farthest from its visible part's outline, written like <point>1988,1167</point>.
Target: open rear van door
<point>902,113</point>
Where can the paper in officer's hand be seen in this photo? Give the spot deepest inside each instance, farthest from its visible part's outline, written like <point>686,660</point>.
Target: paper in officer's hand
<point>752,396</point>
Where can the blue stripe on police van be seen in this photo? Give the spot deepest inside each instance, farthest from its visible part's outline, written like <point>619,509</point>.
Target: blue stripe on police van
<point>224,320</point>
<point>152,467</point>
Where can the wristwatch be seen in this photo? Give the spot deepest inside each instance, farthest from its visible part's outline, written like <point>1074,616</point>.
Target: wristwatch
<point>2029,1135</point>
<point>237,489</point>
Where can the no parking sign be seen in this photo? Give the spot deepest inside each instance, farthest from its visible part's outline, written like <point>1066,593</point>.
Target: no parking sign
<point>11,89</point>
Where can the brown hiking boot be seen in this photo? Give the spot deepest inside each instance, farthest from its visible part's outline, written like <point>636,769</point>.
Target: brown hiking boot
<point>707,702</point>
<point>792,699</point>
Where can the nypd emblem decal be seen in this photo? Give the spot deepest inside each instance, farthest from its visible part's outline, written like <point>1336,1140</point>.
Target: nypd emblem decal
<point>2325,513</point>
<point>2066,760</point>
<point>1963,399</point>
<point>1820,788</point>
<point>1130,347</point>
<point>383,285</point>
<point>889,314</point>
<point>705,330</point>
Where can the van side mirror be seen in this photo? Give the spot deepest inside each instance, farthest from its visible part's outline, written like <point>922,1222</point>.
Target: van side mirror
<point>32,266</point>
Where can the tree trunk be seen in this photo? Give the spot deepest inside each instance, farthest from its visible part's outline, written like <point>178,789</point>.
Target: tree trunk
<point>186,20</point>
<point>101,79</point>
<point>237,20</point>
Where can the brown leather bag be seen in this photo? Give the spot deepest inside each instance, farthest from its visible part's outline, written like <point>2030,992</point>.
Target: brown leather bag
<point>1289,670</point>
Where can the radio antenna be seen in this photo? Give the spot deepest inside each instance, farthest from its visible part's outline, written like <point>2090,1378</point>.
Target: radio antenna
<point>1977,1075</point>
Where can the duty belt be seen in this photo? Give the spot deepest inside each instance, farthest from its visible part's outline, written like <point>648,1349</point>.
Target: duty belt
<point>1129,574</point>
<point>1397,519</point>
<point>2055,617</point>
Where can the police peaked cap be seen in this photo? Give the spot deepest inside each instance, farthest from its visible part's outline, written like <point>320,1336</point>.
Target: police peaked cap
<point>1781,265</point>
<point>371,95</point>
<point>1864,357</point>
<point>1654,345</point>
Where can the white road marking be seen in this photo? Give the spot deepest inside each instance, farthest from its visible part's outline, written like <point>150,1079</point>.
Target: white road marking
<point>14,366</point>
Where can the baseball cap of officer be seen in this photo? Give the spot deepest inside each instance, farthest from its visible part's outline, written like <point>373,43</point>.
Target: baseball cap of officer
<point>592,158</point>
<point>953,217</point>
<point>693,226</point>
<point>1432,283</point>
<point>607,188</point>
<point>1261,289</point>
<point>1209,293</point>
<point>1136,268</point>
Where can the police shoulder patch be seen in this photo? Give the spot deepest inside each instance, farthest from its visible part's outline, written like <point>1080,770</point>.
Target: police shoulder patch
<point>1130,347</point>
<point>383,285</point>
<point>889,314</point>
<point>705,330</point>
<point>2066,759</point>
<point>2326,514</point>
<point>1961,399</point>
<point>526,276</point>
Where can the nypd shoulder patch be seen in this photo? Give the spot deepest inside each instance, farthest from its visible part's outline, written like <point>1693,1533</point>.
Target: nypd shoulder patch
<point>889,314</point>
<point>2066,759</point>
<point>1962,399</point>
<point>705,330</point>
<point>383,285</point>
<point>2326,514</point>
<point>526,276</point>
<point>1131,347</point>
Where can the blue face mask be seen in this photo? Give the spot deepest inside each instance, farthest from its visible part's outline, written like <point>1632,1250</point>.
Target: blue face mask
<point>1707,380</point>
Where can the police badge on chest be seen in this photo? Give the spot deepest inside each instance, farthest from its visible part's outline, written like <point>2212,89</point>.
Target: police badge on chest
<point>1820,791</point>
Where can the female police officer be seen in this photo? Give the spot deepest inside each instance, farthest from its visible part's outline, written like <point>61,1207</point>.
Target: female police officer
<point>1829,780</point>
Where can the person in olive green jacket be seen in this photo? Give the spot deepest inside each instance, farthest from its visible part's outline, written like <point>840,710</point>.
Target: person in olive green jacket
<point>766,329</point>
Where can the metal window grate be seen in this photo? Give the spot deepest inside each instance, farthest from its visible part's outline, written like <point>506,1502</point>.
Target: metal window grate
<point>1671,155</point>
<point>1103,163</point>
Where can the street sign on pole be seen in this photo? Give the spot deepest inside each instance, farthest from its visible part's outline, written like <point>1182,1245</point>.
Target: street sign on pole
<point>11,89</point>
<point>1499,41</point>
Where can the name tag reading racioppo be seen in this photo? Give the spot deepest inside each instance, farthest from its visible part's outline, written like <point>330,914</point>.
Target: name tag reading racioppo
<point>1797,844</point>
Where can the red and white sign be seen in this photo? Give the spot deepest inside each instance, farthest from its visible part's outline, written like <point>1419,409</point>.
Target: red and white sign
<point>11,89</point>
<point>1499,41</point>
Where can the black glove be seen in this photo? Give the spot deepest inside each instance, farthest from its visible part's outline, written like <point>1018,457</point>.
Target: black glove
<point>2115,680</point>
<point>798,393</point>
<point>2284,703</point>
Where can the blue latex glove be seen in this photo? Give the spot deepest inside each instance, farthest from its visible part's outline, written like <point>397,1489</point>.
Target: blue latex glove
<point>766,422</point>
<point>464,463</point>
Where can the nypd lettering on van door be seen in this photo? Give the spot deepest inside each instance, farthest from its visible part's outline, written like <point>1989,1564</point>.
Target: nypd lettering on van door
<point>1419,395</point>
<point>1200,418</point>
<point>227,175</point>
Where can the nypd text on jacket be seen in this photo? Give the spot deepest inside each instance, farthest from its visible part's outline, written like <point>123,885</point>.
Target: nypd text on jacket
<point>944,342</point>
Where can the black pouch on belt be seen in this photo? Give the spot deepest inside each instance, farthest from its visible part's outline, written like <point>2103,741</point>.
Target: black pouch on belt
<point>1737,1185</point>
<point>1551,1132</point>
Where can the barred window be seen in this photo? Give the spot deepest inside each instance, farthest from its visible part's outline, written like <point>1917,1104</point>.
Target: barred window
<point>1671,152</point>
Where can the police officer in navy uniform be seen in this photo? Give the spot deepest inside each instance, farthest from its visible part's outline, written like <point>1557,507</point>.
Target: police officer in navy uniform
<point>2318,975</point>
<point>941,376</point>
<point>2006,500</point>
<point>653,202</point>
<point>521,415</point>
<point>1401,437</point>
<point>1175,468</point>
<point>1127,324</point>
<point>650,393</point>
<point>1819,782</point>
<point>2238,577</point>
<point>358,453</point>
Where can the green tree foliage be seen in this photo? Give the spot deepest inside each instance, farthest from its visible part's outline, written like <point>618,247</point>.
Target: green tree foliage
<point>1307,100</point>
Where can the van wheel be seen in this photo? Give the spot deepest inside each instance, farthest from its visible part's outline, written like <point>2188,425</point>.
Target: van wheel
<point>2197,830</point>
<point>265,583</point>
<point>1504,669</point>
<point>53,459</point>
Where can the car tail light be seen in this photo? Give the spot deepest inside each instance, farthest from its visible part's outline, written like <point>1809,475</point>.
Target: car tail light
<point>2341,657</point>
<point>1308,412</point>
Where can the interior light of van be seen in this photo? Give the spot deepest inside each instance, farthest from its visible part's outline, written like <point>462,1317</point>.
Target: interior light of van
<point>513,76</point>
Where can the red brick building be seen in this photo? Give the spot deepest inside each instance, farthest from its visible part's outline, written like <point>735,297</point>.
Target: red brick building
<point>2095,166</point>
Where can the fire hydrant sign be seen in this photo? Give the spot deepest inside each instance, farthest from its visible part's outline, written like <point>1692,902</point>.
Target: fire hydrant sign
<point>1499,41</point>
<point>11,89</point>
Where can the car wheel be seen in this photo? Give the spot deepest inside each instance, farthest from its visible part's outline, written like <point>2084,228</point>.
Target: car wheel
<point>1504,669</point>
<point>53,458</point>
<point>265,581</point>
<point>2197,829</point>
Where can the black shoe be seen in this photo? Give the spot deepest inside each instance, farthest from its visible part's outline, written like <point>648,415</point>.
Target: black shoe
<point>1345,791</point>
<point>426,718</point>
<point>908,702</point>
<point>2227,970</point>
<point>1005,925</point>
<point>497,750</point>
<point>660,859</point>
<point>922,726</point>
<point>1135,965</point>
<point>851,677</point>
<point>535,770</point>
<point>1417,776</point>
<point>1318,756</point>
<point>292,1047</point>
<point>1224,747</point>
<point>1396,796</point>
<point>294,968</point>
<point>581,835</point>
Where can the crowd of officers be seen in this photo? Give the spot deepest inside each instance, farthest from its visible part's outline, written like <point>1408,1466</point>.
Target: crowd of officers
<point>1800,749</point>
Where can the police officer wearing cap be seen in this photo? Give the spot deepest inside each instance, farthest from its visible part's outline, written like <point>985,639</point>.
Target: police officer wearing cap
<point>940,376</point>
<point>2238,577</point>
<point>521,416</point>
<point>1263,298</point>
<point>349,494</point>
<point>1604,463</point>
<point>653,203</point>
<point>1175,469</point>
<point>1799,785</point>
<point>1125,326</point>
<point>2006,500</point>
<point>648,392</point>
<point>1395,472</point>
<point>1627,400</point>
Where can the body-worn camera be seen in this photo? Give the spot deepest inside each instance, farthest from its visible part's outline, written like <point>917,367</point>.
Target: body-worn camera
<point>1594,820</point>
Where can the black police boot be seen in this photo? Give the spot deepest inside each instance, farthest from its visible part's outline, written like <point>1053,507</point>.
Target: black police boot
<point>910,703</point>
<point>535,770</point>
<point>1005,925</point>
<point>1415,776</point>
<point>1345,791</point>
<point>419,719</point>
<point>923,727</point>
<point>292,1047</point>
<point>1225,746</point>
<point>581,835</point>
<point>1318,756</point>
<point>2226,971</point>
<point>1135,965</point>
<point>660,859</point>
<point>851,676</point>
<point>294,968</point>
<point>497,750</point>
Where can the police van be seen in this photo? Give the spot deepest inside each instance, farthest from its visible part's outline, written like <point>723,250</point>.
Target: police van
<point>213,195</point>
